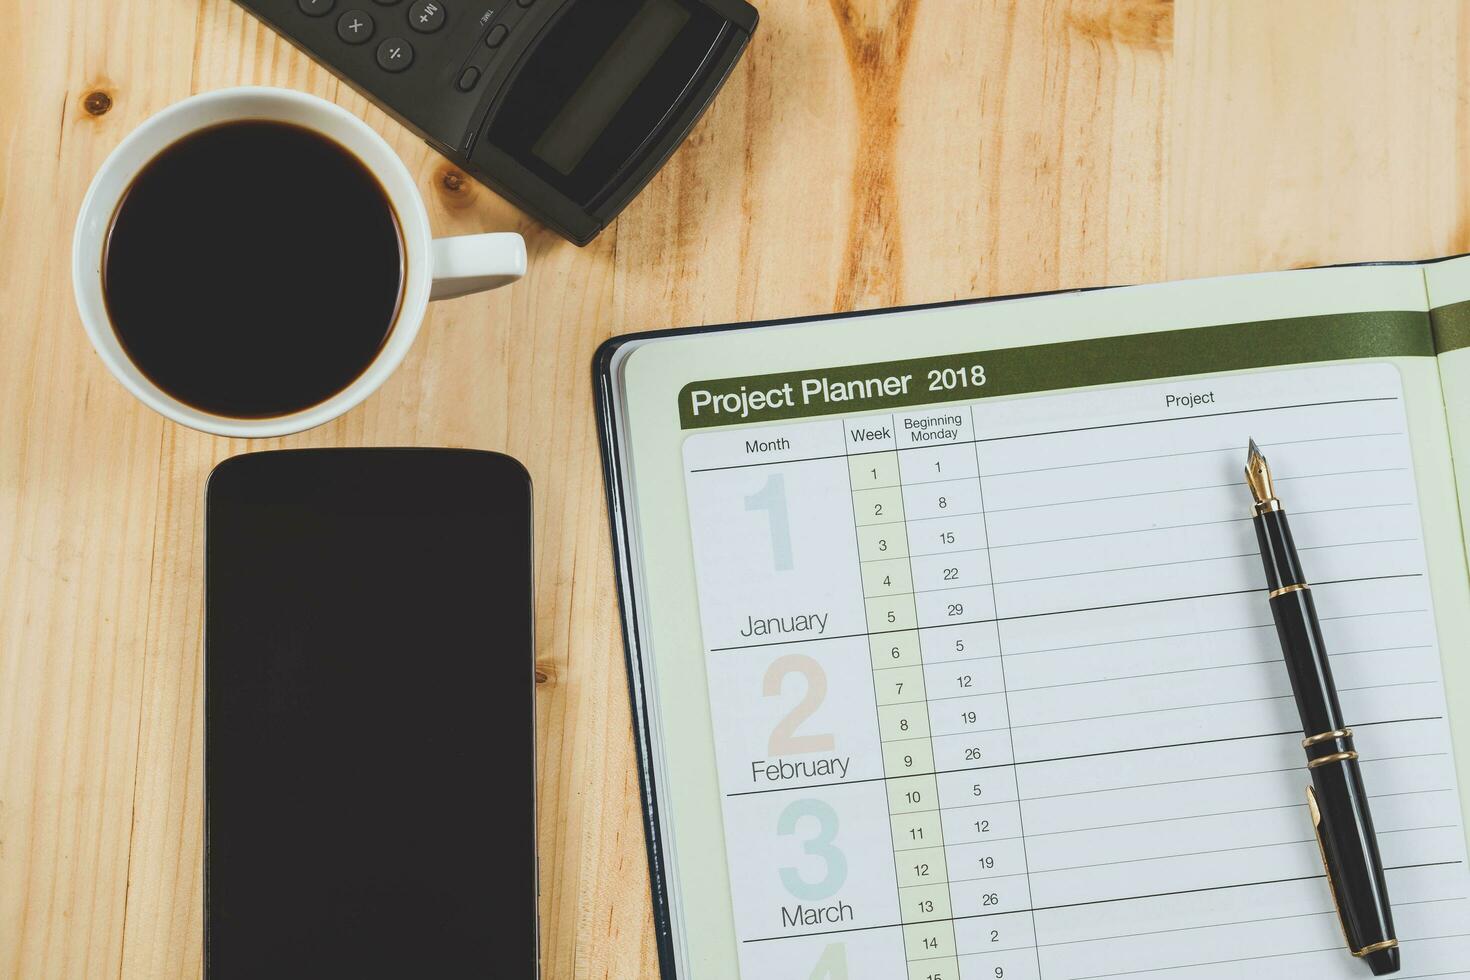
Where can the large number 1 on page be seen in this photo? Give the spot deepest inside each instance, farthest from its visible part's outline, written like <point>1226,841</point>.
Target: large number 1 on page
<point>771,498</point>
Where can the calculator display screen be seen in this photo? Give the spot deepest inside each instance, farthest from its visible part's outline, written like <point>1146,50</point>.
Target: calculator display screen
<point>612,78</point>
<point>369,774</point>
<point>597,85</point>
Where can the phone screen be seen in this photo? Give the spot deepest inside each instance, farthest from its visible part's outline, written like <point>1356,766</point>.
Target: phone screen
<point>369,716</point>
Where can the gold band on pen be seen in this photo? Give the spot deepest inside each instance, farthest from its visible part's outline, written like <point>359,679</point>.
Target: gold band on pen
<point>1285,589</point>
<point>1334,757</point>
<point>1307,743</point>
<point>1376,947</point>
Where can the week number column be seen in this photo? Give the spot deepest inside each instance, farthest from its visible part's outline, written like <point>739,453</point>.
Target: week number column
<point>898,683</point>
<point>807,836</point>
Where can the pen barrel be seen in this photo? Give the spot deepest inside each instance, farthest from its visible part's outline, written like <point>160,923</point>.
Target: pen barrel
<point>1354,869</point>
<point>1337,799</point>
<point>1278,550</point>
<point>1307,663</point>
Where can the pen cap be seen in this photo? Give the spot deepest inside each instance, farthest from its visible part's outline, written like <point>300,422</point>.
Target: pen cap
<point>1278,551</point>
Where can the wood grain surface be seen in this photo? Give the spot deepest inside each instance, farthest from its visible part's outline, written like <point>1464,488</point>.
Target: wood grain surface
<point>865,152</point>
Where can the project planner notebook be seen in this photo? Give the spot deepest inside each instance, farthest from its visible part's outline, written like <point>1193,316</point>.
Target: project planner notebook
<point>948,638</point>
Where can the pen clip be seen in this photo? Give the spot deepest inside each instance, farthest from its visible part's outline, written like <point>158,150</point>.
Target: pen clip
<point>1316,813</point>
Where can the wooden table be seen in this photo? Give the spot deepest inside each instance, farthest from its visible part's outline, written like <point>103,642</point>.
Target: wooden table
<point>865,153</point>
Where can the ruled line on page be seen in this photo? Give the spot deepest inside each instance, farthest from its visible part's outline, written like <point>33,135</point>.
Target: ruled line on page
<point>1232,485</point>
<point>1230,450</point>
<point>1332,912</point>
<point>1180,419</point>
<point>1338,949</point>
<point>1189,634</point>
<point>1092,755</point>
<point>1210,814</point>
<point>1122,532</point>
<point>1102,901</point>
<point>1271,661</point>
<point>1060,612</point>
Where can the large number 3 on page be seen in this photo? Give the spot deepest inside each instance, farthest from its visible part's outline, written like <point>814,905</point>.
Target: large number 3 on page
<point>822,846</point>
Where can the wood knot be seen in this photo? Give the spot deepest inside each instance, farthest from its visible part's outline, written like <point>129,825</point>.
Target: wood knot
<point>97,103</point>
<point>545,674</point>
<point>454,188</point>
<point>1145,24</point>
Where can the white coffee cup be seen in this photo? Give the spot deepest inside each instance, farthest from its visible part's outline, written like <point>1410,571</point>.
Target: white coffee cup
<point>435,268</point>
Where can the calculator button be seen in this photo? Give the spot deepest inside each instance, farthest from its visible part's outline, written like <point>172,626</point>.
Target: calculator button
<point>468,79</point>
<point>315,8</point>
<point>354,27</point>
<point>395,54</point>
<point>497,34</point>
<point>426,16</point>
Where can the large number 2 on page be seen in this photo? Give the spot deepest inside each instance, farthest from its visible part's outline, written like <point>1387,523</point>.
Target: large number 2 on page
<point>784,740</point>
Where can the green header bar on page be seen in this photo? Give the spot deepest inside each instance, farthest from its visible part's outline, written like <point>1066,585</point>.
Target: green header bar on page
<point>850,389</point>
<point>1451,326</point>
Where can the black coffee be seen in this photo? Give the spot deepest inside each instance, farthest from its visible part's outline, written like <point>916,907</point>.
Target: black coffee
<point>253,269</point>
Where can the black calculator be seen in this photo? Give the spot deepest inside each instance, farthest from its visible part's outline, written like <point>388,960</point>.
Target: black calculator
<point>565,107</point>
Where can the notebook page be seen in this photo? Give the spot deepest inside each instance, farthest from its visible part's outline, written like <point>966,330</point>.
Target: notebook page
<point>996,693</point>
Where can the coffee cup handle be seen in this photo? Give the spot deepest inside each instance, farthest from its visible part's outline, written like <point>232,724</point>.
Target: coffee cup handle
<point>472,263</point>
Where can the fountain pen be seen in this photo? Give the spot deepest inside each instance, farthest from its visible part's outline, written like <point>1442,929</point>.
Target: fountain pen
<point>1336,800</point>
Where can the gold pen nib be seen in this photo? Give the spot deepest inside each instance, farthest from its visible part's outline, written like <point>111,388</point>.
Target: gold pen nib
<point>1258,478</point>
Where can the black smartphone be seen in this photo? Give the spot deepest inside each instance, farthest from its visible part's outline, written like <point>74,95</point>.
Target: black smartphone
<point>369,718</point>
